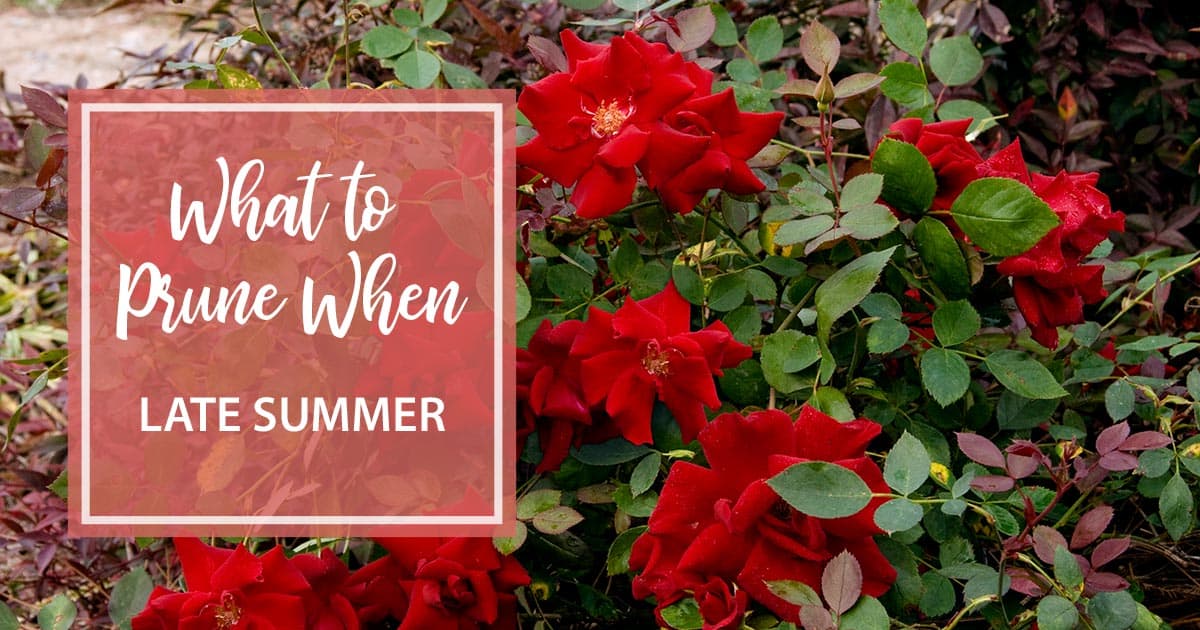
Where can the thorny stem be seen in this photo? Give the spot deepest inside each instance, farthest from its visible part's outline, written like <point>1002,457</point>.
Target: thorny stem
<point>827,145</point>
<point>797,149</point>
<point>258,21</point>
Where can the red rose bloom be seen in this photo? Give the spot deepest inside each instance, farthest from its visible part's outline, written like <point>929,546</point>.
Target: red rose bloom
<point>647,351</point>
<point>725,521</point>
<point>1049,283</point>
<point>326,607</point>
<point>229,590</point>
<point>720,607</point>
<point>456,583</point>
<point>550,396</point>
<point>945,145</point>
<point>592,119</point>
<point>705,145</point>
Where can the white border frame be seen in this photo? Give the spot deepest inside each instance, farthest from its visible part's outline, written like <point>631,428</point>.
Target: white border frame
<point>496,517</point>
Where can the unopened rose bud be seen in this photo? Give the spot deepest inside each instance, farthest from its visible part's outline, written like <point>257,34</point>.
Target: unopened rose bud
<point>824,93</point>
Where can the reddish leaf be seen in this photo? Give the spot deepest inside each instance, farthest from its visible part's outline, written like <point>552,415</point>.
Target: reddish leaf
<point>547,53</point>
<point>800,87</point>
<point>1090,526</point>
<point>9,139</point>
<point>44,106</point>
<point>1112,437</point>
<point>1117,461</point>
<point>1105,582</point>
<point>994,24</point>
<point>1180,50</point>
<point>820,47</point>
<point>509,43</point>
<point>1026,583</point>
<point>816,618</point>
<point>696,26</point>
<point>841,582</point>
<point>1045,541</point>
<point>992,483</point>
<point>1093,16</point>
<point>1020,466</point>
<point>22,202</point>
<point>1136,41</point>
<point>980,450</point>
<point>1108,550</point>
<point>857,8</point>
<point>1144,441</point>
<point>856,84</point>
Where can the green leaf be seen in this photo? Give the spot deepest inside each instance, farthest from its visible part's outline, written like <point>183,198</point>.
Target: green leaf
<point>418,68</point>
<point>864,189</point>
<point>764,39</point>
<point>869,222</point>
<point>644,474</point>
<point>508,545</point>
<point>59,614</point>
<point>1066,568</point>
<point>886,335</point>
<point>906,84</point>
<point>743,70</point>
<point>881,305</point>
<point>1112,611</point>
<point>745,384</point>
<point>386,41</point>
<point>1151,342</point>
<point>557,520</point>
<point>955,60</point>
<point>727,292</point>
<point>787,352</point>
<point>726,32</point>
<point>8,621</point>
<point>570,283</point>
<point>625,261</point>
<point>794,592</point>
<point>1175,507</point>
<point>744,322</point>
<point>904,25</point>
<point>981,117</point>
<point>615,451</point>
<point>832,402</point>
<point>406,17</point>
<point>1024,376</point>
<point>461,77</point>
<point>938,598</point>
<point>60,484</point>
<point>1118,400</point>
<point>867,614</point>
<point>537,501</point>
<point>955,322</point>
<point>1056,613</point>
<point>129,597</point>
<point>907,465</point>
<point>908,180</point>
<point>640,506</point>
<point>945,375</point>
<point>942,257</point>
<point>634,6</point>
<point>233,78</point>
<point>688,283</point>
<point>761,286</point>
<point>1002,215</point>
<point>803,230</point>
<point>846,287</point>
<point>431,10</point>
<point>898,515</point>
<point>683,615</point>
<point>822,489</point>
<point>523,299</point>
<point>618,552</point>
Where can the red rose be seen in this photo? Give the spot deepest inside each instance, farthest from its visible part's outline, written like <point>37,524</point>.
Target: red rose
<point>326,606</point>
<point>378,591</point>
<point>1050,284</point>
<point>945,145</point>
<point>647,351</point>
<point>725,521</point>
<point>456,583</point>
<point>720,607</point>
<point>723,137</point>
<point>591,120</point>
<point>549,394</point>
<point>229,590</point>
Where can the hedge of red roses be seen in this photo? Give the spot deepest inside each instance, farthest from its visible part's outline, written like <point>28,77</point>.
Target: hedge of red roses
<point>422,584</point>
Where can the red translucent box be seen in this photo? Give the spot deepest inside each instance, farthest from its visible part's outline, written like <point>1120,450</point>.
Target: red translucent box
<point>291,313</point>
